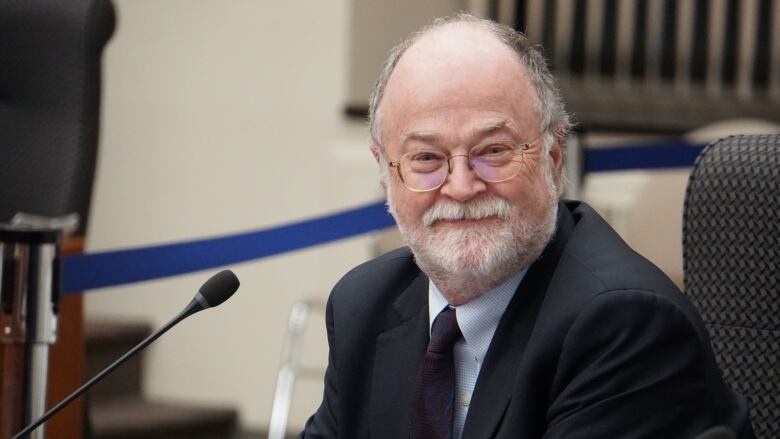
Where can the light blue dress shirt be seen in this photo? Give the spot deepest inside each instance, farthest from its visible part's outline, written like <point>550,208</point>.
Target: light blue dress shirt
<point>478,320</point>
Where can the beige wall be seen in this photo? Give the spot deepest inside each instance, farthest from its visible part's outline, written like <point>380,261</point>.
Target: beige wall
<point>222,117</point>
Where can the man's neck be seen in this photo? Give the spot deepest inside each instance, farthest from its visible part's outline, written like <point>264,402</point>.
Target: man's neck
<point>459,288</point>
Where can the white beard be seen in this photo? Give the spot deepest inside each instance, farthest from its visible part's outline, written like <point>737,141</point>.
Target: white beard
<point>466,262</point>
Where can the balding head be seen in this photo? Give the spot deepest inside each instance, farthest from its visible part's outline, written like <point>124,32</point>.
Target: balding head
<point>480,41</point>
<point>449,73</point>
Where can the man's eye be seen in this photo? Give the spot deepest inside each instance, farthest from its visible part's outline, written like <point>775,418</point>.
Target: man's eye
<point>427,157</point>
<point>493,150</point>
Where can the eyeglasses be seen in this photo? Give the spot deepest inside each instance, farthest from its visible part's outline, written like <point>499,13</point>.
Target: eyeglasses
<point>427,169</point>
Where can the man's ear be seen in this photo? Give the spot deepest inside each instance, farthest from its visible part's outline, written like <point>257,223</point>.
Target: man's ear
<point>376,152</point>
<point>556,154</point>
<point>556,151</point>
<point>382,170</point>
<point>557,157</point>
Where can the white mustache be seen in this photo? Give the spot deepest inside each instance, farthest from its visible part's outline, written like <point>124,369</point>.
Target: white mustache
<point>452,210</point>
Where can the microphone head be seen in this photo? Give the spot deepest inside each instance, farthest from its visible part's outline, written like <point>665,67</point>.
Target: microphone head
<point>219,288</point>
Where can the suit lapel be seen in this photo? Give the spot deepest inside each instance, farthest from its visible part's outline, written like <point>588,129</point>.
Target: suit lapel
<point>399,351</point>
<point>493,390</point>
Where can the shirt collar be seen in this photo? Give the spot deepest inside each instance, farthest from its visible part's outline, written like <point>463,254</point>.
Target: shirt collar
<point>477,319</point>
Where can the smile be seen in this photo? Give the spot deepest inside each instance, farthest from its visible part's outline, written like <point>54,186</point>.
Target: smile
<point>466,221</point>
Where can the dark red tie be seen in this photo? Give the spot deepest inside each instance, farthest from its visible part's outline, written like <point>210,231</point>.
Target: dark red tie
<point>433,407</point>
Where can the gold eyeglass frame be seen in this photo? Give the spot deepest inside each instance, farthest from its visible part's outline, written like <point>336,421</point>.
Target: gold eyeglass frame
<point>522,147</point>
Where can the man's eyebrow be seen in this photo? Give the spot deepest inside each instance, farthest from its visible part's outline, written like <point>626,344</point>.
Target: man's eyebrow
<point>421,136</point>
<point>491,128</point>
<point>431,138</point>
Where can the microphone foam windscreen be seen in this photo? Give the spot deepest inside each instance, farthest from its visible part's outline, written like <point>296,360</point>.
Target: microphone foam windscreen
<point>219,287</point>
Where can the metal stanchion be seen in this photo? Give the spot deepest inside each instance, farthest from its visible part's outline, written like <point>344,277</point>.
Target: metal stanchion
<point>29,297</point>
<point>291,369</point>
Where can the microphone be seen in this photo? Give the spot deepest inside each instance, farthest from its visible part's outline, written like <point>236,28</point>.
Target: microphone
<point>718,432</point>
<point>212,293</point>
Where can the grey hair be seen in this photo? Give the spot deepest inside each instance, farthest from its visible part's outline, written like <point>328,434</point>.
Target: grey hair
<point>549,106</point>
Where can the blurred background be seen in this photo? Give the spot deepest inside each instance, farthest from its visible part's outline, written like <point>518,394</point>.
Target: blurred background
<point>224,117</point>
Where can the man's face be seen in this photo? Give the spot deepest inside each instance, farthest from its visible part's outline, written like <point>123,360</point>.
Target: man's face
<point>454,89</point>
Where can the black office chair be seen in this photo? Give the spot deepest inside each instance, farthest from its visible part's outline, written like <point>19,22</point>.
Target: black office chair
<point>50,71</point>
<point>731,253</point>
<point>50,62</point>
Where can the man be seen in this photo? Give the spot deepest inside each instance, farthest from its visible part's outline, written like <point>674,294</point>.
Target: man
<point>559,329</point>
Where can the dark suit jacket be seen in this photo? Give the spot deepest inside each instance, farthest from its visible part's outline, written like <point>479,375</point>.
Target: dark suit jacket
<point>596,343</point>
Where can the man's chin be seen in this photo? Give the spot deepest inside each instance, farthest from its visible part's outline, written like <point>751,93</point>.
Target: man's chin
<point>473,265</point>
<point>467,255</point>
<point>466,273</point>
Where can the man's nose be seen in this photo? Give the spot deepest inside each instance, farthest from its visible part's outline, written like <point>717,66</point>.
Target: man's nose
<point>462,182</point>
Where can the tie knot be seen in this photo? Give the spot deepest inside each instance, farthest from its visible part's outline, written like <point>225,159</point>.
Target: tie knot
<point>445,331</point>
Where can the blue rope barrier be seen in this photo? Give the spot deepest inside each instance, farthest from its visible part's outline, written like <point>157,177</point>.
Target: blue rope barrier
<point>635,157</point>
<point>111,268</point>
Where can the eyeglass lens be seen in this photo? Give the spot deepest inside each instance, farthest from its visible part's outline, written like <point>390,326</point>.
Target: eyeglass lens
<point>428,170</point>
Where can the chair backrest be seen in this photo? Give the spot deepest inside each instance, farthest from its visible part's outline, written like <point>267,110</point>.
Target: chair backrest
<point>50,54</point>
<point>731,256</point>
